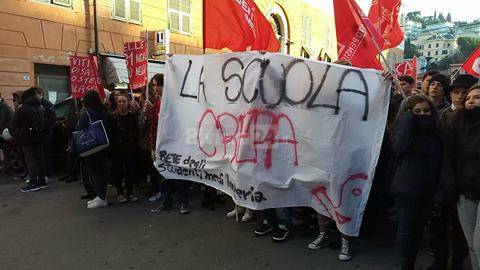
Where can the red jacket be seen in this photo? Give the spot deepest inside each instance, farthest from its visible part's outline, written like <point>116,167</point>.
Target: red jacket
<point>154,111</point>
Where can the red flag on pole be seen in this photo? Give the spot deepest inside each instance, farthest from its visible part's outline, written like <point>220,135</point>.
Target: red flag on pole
<point>237,25</point>
<point>136,57</point>
<point>472,65</point>
<point>408,67</point>
<point>384,16</point>
<point>84,76</point>
<point>356,36</point>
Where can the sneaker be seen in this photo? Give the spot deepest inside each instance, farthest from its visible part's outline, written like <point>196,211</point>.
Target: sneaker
<point>132,198</point>
<point>93,200</point>
<point>184,209</point>
<point>248,216</point>
<point>42,185</point>
<point>281,233</point>
<point>121,199</point>
<point>155,197</point>
<point>31,187</point>
<point>345,251</point>
<point>233,213</point>
<point>263,230</point>
<point>162,207</point>
<point>97,204</point>
<point>319,242</point>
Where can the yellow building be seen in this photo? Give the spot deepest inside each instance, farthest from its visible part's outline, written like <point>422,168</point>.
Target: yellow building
<point>38,36</point>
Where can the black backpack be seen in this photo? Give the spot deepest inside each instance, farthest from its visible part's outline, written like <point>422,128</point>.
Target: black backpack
<point>39,120</point>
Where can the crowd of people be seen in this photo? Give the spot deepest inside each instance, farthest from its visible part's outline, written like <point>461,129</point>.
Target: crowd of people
<point>426,176</point>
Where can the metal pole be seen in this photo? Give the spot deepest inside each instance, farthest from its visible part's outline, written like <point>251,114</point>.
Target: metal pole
<point>95,28</point>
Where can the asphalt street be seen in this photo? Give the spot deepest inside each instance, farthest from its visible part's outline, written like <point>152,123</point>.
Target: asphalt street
<point>52,229</point>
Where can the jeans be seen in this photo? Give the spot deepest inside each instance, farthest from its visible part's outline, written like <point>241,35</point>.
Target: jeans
<point>469,214</point>
<point>412,216</point>
<point>96,168</point>
<point>35,160</point>
<point>277,216</point>
<point>123,168</point>
<point>88,182</point>
<point>169,186</point>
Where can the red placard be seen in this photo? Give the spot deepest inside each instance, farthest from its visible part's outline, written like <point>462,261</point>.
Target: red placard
<point>84,76</point>
<point>136,57</point>
<point>408,67</point>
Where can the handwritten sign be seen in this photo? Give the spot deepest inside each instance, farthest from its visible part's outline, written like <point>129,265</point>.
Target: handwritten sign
<point>272,130</point>
<point>84,76</point>
<point>136,56</point>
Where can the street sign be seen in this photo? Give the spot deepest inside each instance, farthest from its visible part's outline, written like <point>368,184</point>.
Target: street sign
<point>162,42</point>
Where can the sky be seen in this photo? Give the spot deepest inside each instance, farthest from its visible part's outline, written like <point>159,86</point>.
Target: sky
<point>460,10</point>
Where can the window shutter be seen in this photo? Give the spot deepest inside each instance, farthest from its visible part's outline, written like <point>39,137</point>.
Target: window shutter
<point>174,21</point>
<point>119,10</point>
<point>186,6</point>
<point>67,3</point>
<point>135,10</point>
<point>186,24</point>
<point>174,4</point>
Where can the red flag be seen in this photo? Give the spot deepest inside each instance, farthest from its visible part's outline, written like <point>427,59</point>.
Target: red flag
<point>356,35</point>
<point>137,60</point>
<point>84,76</point>
<point>408,67</point>
<point>384,16</point>
<point>238,25</point>
<point>472,65</point>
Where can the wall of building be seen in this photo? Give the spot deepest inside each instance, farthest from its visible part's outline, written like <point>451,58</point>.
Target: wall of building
<point>39,33</point>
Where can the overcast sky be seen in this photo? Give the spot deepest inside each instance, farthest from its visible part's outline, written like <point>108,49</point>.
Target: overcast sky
<point>460,9</point>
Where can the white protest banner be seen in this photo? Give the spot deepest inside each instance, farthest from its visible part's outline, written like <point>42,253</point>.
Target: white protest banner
<point>272,130</point>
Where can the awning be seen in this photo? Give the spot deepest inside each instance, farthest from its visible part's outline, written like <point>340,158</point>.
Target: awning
<point>115,69</point>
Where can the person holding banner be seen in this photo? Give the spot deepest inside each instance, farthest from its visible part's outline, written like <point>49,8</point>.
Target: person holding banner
<point>124,144</point>
<point>96,164</point>
<point>426,81</point>
<point>151,118</point>
<point>463,161</point>
<point>417,146</point>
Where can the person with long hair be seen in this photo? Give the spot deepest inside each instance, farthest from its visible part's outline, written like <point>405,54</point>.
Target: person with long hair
<point>96,164</point>
<point>463,161</point>
<point>417,146</point>
<point>124,132</point>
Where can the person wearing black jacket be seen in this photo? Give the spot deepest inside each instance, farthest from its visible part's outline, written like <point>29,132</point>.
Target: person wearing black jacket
<point>6,118</point>
<point>463,162</point>
<point>48,137</point>
<point>96,164</point>
<point>29,125</point>
<point>446,232</point>
<point>124,146</point>
<point>417,147</point>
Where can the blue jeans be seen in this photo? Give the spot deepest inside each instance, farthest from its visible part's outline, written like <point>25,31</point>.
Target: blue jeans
<point>469,214</point>
<point>169,186</point>
<point>277,216</point>
<point>412,215</point>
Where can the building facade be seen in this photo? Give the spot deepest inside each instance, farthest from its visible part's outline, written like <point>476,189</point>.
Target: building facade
<point>438,47</point>
<point>38,36</point>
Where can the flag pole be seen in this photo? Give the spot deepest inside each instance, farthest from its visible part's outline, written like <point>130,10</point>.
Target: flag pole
<point>146,84</point>
<point>385,61</point>
<point>203,25</point>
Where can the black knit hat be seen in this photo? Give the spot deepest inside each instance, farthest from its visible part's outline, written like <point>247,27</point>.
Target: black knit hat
<point>28,93</point>
<point>464,81</point>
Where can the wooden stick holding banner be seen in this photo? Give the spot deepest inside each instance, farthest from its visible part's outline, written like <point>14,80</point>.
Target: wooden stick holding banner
<point>146,85</point>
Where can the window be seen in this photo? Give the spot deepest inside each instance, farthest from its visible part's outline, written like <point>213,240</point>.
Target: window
<point>429,46</point>
<point>54,80</point>
<point>448,45</point>
<point>180,15</point>
<point>306,30</point>
<point>428,53</point>
<point>437,45</point>
<point>445,52</point>
<point>65,3</point>
<point>436,52</point>
<point>127,10</point>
